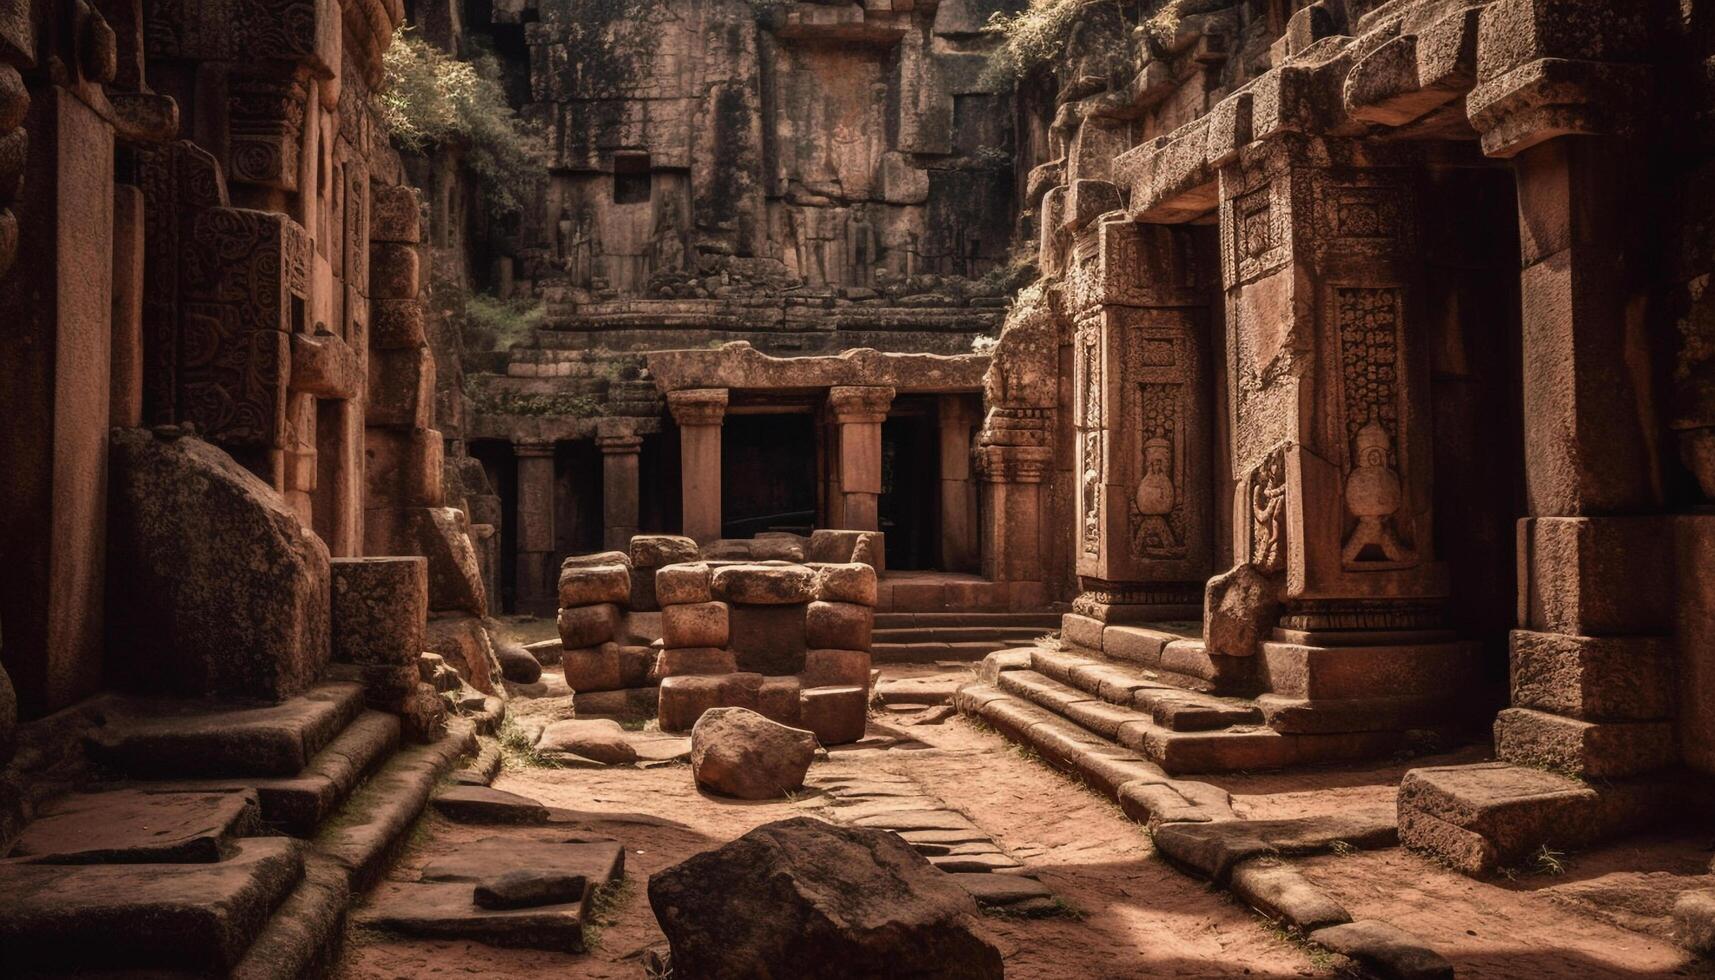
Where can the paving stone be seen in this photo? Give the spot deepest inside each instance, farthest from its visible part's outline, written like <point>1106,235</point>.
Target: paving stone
<point>529,888</point>
<point>1001,890</point>
<point>598,739</point>
<point>952,863</point>
<point>916,820</point>
<point>483,804</point>
<point>449,911</point>
<point>138,826</point>
<point>1385,950</point>
<point>1279,892</point>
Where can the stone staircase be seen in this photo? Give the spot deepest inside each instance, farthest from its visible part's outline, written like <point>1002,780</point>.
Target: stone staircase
<point>921,637</point>
<point>218,840</point>
<point>1053,695</point>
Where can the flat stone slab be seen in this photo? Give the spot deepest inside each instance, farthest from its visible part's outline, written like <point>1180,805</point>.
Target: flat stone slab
<point>176,739</point>
<point>131,826</point>
<point>1385,950</point>
<point>597,739</point>
<point>1001,890</point>
<point>977,863</point>
<point>448,910</point>
<point>483,804</point>
<point>917,820</point>
<point>658,748</point>
<point>597,861</point>
<point>191,917</point>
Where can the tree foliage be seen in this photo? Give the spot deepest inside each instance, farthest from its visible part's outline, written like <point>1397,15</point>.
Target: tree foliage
<point>433,99</point>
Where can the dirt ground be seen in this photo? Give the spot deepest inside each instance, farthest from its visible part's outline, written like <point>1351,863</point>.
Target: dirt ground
<point>1131,914</point>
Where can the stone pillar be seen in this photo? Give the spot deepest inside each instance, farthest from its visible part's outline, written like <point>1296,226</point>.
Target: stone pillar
<point>1012,474</point>
<point>699,412</point>
<point>1592,664</point>
<point>537,576</point>
<point>958,492</point>
<point>1142,397</point>
<point>620,447</point>
<point>858,413</point>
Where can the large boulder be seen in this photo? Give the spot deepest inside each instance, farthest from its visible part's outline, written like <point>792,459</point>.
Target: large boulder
<point>455,576</point>
<point>737,752</point>
<point>517,664</point>
<point>222,591</point>
<point>802,898</point>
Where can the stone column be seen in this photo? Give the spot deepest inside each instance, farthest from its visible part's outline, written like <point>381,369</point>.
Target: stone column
<point>1142,400</point>
<point>1012,509</point>
<point>958,493</point>
<point>620,447</point>
<point>858,413</point>
<point>537,581</point>
<point>699,412</point>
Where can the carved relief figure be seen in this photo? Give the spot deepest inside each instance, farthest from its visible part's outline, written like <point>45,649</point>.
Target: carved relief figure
<point>1092,437</point>
<point>1373,495</point>
<point>581,249</point>
<point>666,246</point>
<point>862,246</point>
<point>1268,513</point>
<point>1154,499</point>
<point>563,229</point>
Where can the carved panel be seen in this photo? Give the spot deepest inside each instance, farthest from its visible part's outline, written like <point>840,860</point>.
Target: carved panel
<point>245,291</point>
<point>1368,321</point>
<point>1090,435</point>
<point>1257,233</point>
<point>1159,366</point>
<point>1266,491</point>
<point>265,126</point>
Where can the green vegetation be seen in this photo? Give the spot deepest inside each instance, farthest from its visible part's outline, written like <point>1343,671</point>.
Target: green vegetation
<point>490,323</point>
<point>433,99</point>
<point>1030,38</point>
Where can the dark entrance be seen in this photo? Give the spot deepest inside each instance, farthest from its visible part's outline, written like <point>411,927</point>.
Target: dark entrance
<point>768,474</point>
<point>911,485</point>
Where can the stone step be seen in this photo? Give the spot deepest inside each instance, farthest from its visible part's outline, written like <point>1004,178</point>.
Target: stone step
<point>374,821</point>
<point>299,804</point>
<point>1239,748</point>
<point>1010,635</point>
<point>1168,705</point>
<point>925,652</point>
<point>198,918</point>
<point>138,826</point>
<point>1044,621</point>
<point>163,737</point>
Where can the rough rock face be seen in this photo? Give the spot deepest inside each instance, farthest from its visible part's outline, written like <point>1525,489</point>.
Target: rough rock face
<point>1239,606</point>
<point>801,898</point>
<point>455,578</point>
<point>740,753</point>
<point>517,664</point>
<point>465,645</point>
<point>225,592</point>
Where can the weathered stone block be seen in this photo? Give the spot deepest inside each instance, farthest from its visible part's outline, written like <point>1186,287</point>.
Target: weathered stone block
<point>763,585</point>
<point>588,626</point>
<point>1085,631</point>
<point>849,582</point>
<point>401,388</point>
<point>682,584</point>
<point>830,546</point>
<point>1593,678</point>
<point>593,668</point>
<point>1535,738</point>
<point>395,214</point>
<point>397,324</point>
<point>777,699</point>
<point>701,624</point>
<point>465,645</point>
<point>1239,608</point>
<point>379,606</point>
<point>838,625</point>
<point>837,715</point>
<point>455,578</point>
<point>224,593</point>
<point>637,665</point>
<point>836,668</point>
<point>677,661</point>
<point>592,584</point>
<point>393,271</point>
<point>686,697</point>
<point>767,639</point>
<point>599,558</point>
<point>1596,576</point>
<point>656,550</point>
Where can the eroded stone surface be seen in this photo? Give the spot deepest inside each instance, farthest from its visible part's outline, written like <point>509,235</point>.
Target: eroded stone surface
<point>737,752</point>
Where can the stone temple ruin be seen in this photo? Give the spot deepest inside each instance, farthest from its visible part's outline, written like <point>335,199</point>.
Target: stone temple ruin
<point>1182,390</point>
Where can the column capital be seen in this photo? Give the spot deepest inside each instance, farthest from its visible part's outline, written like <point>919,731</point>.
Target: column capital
<point>698,406</point>
<point>616,434</point>
<point>533,449</point>
<point>860,403</point>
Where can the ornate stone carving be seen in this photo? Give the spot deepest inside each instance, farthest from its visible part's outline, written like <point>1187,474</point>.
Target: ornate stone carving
<point>1090,433</point>
<point>1267,495</point>
<point>1368,321</point>
<point>265,121</point>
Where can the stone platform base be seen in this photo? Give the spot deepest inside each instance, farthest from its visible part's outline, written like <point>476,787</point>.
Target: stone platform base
<point>1496,815</point>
